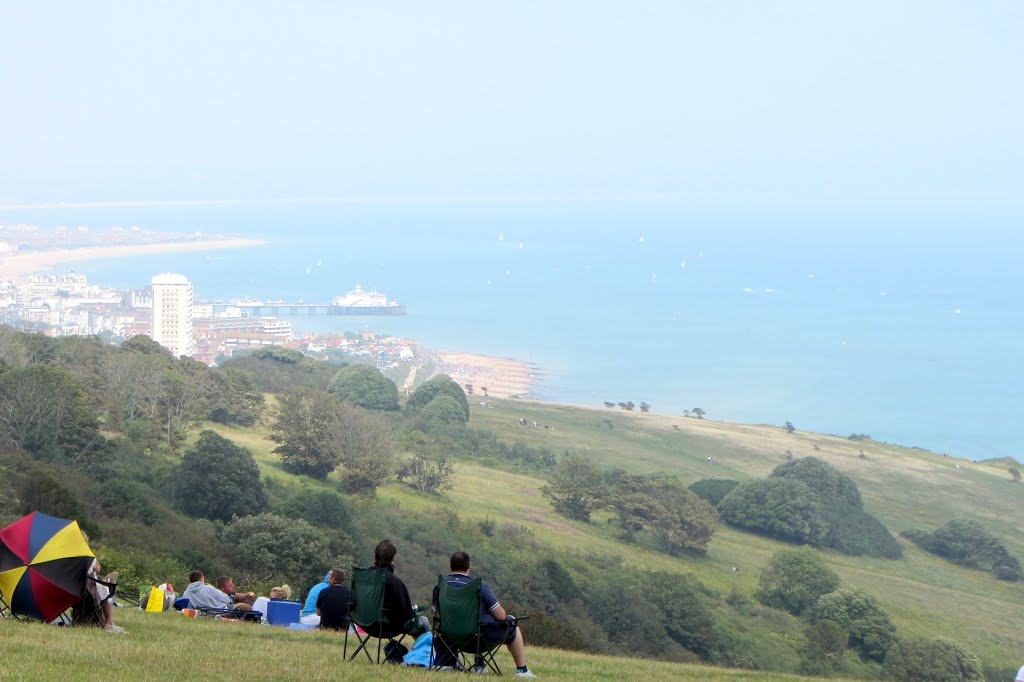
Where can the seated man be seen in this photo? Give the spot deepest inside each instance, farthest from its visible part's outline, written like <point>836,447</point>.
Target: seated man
<point>334,601</point>
<point>398,607</point>
<point>243,600</point>
<point>203,596</point>
<point>495,624</point>
<point>308,613</point>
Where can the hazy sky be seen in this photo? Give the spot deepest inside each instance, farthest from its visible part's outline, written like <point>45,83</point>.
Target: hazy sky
<point>802,101</point>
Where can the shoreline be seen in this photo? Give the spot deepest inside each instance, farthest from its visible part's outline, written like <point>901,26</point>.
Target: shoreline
<point>20,266</point>
<point>502,377</point>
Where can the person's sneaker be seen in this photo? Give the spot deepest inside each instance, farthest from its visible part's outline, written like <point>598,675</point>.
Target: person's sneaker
<point>117,629</point>
<point>525,673</point>
<point>445,669</point>
<point>480,669</point>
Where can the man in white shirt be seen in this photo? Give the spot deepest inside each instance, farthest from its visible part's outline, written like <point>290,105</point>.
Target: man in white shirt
<point>203,596</point>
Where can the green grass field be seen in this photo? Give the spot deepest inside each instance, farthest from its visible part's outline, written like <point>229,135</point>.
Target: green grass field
<point>168,646</point>
<point>904,487</point>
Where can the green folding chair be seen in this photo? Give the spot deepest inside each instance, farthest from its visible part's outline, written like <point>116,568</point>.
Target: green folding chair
<point>368,611</point>
<point>457,633</point>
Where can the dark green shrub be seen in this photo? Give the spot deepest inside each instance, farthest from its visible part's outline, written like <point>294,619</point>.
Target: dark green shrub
<point>713,489</point>
<point>937,660</point>
<point>795,579</point>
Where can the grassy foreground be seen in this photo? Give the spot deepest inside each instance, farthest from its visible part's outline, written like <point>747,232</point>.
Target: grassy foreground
<point>169,646</point>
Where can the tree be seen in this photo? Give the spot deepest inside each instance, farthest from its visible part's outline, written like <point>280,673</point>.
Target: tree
<point>431,473</point>
<point>789,427</point>
<point>364,386</point>
<point>185,391</point>
<point>307,431</point>
<point>713,490</point>
<point>870,630</point>
<point>778,507</point>
<point>41,492</point>
<point>366,448</point>
<point>443,410</point>
<point>269,548</point>
<point>824,479</point>
<point>576,487</point>
<point>442,384</point>
<point>644,407</point>
<point>218,479</point>
<point>937,660</point>
<point>44,411</point>
<point>824,641</point>
<point>140,343</point>
<point>795,579</point>
<point>236,398</point>
<point>610,406</point>
<point>698,413</point>
<point>1015,473</point>
<point>676,519</point>
<point>967,542</point>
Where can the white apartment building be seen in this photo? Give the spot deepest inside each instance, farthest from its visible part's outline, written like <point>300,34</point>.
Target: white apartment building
<point>172,313</point>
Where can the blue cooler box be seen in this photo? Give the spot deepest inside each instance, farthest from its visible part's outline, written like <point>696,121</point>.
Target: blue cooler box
<point>283,612</point>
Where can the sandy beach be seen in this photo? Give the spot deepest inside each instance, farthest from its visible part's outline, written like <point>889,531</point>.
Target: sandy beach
<point>503,377</point>
<point>19,266</point>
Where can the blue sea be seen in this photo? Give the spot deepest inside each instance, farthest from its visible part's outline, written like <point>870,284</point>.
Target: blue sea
<point>906,328</point>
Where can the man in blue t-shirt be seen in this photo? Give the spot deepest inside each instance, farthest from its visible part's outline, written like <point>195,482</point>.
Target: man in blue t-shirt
<point>495,624</point>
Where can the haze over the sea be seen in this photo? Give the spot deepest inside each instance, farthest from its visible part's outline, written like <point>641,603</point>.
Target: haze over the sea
<point>819,187</point>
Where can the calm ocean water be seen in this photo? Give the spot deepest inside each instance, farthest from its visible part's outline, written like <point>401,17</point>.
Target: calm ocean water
<point>907,330</point>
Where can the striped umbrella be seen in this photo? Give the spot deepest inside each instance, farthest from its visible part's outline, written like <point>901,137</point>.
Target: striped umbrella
<point>43,564</point>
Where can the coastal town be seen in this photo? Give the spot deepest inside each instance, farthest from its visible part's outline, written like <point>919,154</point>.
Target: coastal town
<point>167,310</point>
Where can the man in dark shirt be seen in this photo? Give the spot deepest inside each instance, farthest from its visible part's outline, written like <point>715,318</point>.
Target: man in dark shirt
<point>401,618</point>
<point>334,601</point>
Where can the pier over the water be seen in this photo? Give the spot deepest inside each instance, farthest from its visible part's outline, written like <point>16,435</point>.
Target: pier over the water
<point>281,309</point>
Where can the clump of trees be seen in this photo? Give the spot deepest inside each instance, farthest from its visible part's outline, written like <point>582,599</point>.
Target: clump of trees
<point>713,490</point>
<point>440,386</point>
<point>968,543</point>
<point>364,386</point>
<point>808,500</point>
<point>655,506</point>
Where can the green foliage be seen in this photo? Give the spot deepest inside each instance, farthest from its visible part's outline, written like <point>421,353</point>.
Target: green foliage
<point>41,492</point>
<point>1014,473</point>
<point>870,630</point>
<point>968,543</point>
<point>218,479</point>
<point>443,410</point>
<point>142,344</point>
<point>307,429</point>
<point>857,533</point>
<point>824,641</point>
<point>439,385</point>
<point>430,473</point>
<point>236,398</point>
<point>364,386</point>
<point>936,660</point>
<point>275,369</point>
<point>271,548</point>
<point>795,579</point>
<point>44,411</point>
<point>831,486</point>
<point>778,507</point>
<point>366,449</point>
<point>713,490</point>
<point>322,508</point>
<point>118,497</point>
<point>576,487</point>
<point>676,518</point>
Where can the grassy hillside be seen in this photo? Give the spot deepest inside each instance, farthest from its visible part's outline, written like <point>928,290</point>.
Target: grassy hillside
<point>904,487</point>
<point>168,646</point>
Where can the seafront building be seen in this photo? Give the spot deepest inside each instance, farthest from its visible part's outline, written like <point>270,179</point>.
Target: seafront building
<point>172,313</point>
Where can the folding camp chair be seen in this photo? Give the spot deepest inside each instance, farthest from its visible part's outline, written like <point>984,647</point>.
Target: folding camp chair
<point>89,611</point>
<point>457,634</point>
<point>367,612</point>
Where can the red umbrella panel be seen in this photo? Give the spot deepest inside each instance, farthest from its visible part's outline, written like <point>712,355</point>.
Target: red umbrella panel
<point>43,564</point>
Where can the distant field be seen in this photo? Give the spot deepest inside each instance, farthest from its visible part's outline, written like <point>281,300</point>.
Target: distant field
<point>904,487</point>
<point>168,646</point>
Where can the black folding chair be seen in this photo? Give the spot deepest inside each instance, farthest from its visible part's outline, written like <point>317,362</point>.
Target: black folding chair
<point>367,612</point>
<point>89,611</point>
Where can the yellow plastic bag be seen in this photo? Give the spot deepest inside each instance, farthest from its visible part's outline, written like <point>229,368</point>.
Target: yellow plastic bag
<point>155,603</point>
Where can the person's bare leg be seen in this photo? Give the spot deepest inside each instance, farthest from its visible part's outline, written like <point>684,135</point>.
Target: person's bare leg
<point>518,649</point>
<point>108,613</point>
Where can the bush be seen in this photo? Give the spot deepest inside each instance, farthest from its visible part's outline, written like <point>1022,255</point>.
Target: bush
<point>936,660</point>
<point>272,548</point>
<point>439,385</point>
<point>119,497</point>
<point>871,631</point>
<point>795,579</point>
<point>713,490</point>
<point>967,543</point>
<point>782,508</point>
